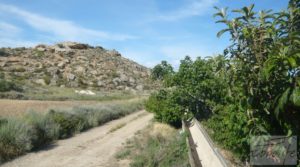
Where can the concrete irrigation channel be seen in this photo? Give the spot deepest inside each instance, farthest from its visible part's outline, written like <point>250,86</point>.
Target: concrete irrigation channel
<point>202,150</point>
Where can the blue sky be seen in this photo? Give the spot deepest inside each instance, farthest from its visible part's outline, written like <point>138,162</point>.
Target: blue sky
<point>146,31</point>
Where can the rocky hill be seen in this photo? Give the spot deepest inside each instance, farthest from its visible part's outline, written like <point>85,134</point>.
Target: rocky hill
<point>71,64</point>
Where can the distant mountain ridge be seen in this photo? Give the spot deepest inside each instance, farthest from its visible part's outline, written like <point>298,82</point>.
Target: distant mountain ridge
<point>71,64</point>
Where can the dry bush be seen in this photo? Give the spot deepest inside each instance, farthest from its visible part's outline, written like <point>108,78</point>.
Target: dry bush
<point>157,145</point>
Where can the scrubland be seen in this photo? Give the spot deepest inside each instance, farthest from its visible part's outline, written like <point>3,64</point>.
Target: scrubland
<point>34,129</point>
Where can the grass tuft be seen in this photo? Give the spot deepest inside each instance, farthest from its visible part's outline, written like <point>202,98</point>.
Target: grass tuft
<point>157,145</point>
<point>123,154</point>
<point>119,126</point>
<point>44,128</point>
<point>15,138</point>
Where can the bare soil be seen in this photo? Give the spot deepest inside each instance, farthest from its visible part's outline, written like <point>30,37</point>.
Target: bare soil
<point>94,148</point>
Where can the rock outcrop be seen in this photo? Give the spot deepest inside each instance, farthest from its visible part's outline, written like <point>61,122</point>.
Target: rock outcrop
<point>71,64</point>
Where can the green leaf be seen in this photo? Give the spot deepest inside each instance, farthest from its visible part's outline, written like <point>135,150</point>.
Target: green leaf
<point>237,11</point>
<point>295,97</point>
<point>281,102</point>
<point>289,132</point>
<point>222,21</point>
<point>261,128</point>
<point>250,8</point>
<point>292,62</point>
<point>220,33</point>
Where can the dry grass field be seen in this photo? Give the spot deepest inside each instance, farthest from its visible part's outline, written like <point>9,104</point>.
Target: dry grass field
<point>19,107</point>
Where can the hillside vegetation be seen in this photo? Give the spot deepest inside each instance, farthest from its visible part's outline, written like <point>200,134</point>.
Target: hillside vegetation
<point>253,88</point>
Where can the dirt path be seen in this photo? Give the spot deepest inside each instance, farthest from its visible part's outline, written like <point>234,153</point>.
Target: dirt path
<point>95,147</point>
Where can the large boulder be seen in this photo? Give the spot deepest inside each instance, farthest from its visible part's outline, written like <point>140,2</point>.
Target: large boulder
<point>100,83</point>
<point>53,71</point>
<point>40,82</point>
<point>61,64</point>
<point>80,70</point>
<point>113,53</point>
<point>140,87</point>
<point>41,48</point>
<point>79,46</point>
<point>123,78</point>
<point>70,76</point>
<point>72,45</point>
<point>116,81</point>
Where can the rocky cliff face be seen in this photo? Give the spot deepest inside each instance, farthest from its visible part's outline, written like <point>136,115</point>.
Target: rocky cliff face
<point>75,65</point>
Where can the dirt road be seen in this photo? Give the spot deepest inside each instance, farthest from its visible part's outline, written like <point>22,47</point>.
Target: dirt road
<point>96,147</point>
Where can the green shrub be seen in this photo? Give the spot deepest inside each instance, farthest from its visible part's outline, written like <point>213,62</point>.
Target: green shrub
<point>101,114</point>
<point>47,79</point>
<point>81,82</point>
<point>164,105</point>
<point>8,86</point>
<point>173,153</point>
<point>44,128</point>
<point>3,121</point>
<point>228,135</point>
<point>18,69</point>
<point>3,53</point>
<point>39,53</point>
<point>87,117</point>
<point>68,123</point>
<point>162,71</point>
<point>2,75</point>
<point>15,139</point>
<point>114,74</point>
<point>60,45</point>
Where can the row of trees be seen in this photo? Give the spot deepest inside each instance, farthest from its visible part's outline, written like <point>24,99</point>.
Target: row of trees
<point>253,88</point>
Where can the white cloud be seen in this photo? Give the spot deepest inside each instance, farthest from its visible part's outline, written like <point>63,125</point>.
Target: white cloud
<point>193,8</point>
<point>8,30</point>
<point>61,29</point>
<point>9,27</point>
<point>10,36</point>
